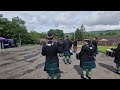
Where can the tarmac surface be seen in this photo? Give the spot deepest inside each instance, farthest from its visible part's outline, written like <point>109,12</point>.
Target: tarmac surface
<point>28,63</point>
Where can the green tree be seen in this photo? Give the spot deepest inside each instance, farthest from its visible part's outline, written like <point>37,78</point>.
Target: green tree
<point>79,34</point>
<point>58,34</point>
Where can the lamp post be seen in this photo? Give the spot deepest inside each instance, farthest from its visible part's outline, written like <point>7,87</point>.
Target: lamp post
<point>63,33</point>
<point>74,32</point>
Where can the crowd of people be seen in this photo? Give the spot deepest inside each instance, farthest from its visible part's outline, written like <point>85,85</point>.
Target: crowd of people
<point>87,55</point>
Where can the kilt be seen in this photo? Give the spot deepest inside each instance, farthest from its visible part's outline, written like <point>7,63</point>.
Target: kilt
<point>117,61</point>
<point>67,53</point>
<point>75,47</point>
<point>60,49</point>
<point>87,65</point>
<point>52,68</point>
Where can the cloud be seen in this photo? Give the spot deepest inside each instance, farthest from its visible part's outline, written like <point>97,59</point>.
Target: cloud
<point>42,21</point>
<point>103,18</point>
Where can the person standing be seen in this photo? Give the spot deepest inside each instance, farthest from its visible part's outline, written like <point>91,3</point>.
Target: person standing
<point>60,46</point>
<point>67,44</point>
<point>50,50</point>
<point>75,45</point>
<point>87,61</point>
<point>117,58</point>
<point>95,43</point>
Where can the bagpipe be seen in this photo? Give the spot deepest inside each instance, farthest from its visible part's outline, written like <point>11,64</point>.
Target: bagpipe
<point>77,55</point>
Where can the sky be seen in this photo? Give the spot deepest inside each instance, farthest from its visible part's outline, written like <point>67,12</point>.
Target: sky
<point>42,21</point>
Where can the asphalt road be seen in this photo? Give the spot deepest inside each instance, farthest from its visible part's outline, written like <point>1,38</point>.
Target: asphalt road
<point>28,63</point>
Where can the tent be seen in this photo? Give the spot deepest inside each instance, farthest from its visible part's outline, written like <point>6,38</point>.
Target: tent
<point>104,42</point>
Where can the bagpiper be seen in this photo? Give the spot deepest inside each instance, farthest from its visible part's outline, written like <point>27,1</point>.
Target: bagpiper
<point>50,50</point>
<point>117,58</point>
<point>87,61</point>
<point>95,43</point>
<point>67,44</point>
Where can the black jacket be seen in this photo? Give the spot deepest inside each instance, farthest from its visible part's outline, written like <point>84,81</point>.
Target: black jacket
<point>95,43</point>
<point>86,53</point>
<point>75,43</point>
<point>67,44</point>
<point>51,52</point>
<point>117,55</point>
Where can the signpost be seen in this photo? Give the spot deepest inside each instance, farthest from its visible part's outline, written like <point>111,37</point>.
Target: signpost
<point>0,47</point>
<point>19,39</point>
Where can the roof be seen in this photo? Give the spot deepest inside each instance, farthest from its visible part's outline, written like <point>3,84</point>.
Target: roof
<point>104,40</point>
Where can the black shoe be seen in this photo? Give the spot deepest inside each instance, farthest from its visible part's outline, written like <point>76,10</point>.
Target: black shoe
<point>88,77</point>
<point>83,77</point>
<point>65,63</point>
<point>69,62</point>
<point>117,73</point>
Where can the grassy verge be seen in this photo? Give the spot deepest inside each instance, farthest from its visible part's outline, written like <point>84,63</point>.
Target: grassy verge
<point>101,48</point>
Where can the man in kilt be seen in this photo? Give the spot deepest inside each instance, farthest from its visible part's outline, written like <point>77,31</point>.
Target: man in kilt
<point>117,58</point>
<point>75,45</point>
<point>67,44</point>
<point>50,50</point>
<point>87,61</point>
<point>60,46</point>
<point>95,43</point>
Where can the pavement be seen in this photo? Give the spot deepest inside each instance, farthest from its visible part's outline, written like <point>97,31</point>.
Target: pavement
<point>28,63</point>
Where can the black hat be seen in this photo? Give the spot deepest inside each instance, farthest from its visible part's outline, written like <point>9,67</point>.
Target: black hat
<point>50,34</point>
<point>87,40</point>
<point>95,37</point>
<point>67,36</point>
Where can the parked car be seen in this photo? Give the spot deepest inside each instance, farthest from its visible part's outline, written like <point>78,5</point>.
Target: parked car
<point>12,43</point>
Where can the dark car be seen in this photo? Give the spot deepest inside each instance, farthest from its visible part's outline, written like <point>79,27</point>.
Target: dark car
<point>12,43</point>
<point>6,43</point>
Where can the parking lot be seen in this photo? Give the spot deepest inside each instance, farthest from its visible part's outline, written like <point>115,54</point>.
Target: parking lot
<point>28,63</point>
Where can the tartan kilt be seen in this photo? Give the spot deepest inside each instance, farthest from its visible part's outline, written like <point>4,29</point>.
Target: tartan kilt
<point>52,68</point>
<point>117,61</point>
<point>67,53</point>
<point>60,49</point>
<point>74,47</point>
<point>87,65</point>
<point>95,53</point>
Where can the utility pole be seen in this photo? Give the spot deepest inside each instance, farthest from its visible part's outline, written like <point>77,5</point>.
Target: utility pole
<point>20,39</point>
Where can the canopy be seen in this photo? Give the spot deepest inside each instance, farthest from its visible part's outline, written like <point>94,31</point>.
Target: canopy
<point>1,39</point>
<point>104,40</point>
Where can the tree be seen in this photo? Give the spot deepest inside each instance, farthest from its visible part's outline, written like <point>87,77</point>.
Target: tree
<point>58,34</point>
<point>91,35</point>
<point>11,29</point>
<point>82,29</point>
<point>79,34</point>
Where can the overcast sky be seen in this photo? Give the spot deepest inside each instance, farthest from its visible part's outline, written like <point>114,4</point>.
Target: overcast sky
<point>42,21</point>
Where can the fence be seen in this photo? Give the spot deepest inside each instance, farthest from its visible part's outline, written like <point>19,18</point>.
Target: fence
<point>107,43</point>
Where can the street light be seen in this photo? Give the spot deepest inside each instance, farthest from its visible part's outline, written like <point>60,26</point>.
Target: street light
<point>74,32</point>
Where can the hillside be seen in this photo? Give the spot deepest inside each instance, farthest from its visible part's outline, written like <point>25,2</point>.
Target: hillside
<point>106,31</point>
<point>100,31</point>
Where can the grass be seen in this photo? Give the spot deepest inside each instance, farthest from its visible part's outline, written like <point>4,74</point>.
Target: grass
<point>101,48</point>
